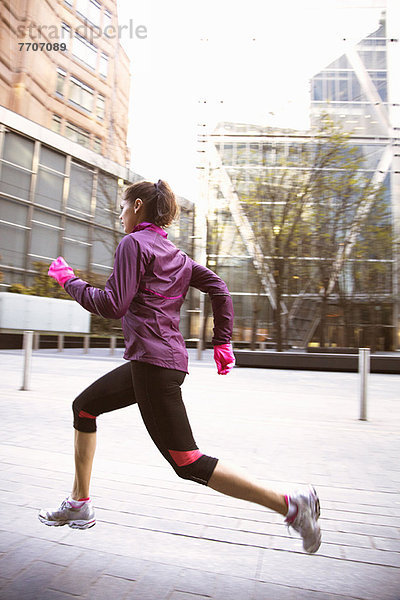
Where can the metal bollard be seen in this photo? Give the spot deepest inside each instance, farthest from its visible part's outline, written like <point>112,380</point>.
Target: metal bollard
<point>363,369</point>
<point>60,342</point>
<point>113,343</point>
<point>86,344</point>
<point>28,339</point>
<point>36,341</point>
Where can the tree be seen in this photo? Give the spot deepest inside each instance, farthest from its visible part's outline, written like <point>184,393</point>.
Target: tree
<point>303,201</point>
<point>43,285</point>
<point>365,285</point>
<point>341,187</point>
<point>276,204</point>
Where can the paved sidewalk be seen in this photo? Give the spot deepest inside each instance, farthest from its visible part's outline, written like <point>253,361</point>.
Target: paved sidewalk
<point>161,538</point>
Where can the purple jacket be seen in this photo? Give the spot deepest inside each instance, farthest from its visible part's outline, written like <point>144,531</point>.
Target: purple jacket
<point>147,287</point>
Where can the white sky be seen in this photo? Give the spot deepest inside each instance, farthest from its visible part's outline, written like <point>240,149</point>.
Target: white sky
<point>258,59</point>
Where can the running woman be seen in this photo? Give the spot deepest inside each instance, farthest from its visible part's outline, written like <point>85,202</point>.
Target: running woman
<point>147,287</point>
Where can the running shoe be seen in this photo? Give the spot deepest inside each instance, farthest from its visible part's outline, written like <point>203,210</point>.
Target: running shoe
<point>305,520</point>
<point>77,518</point>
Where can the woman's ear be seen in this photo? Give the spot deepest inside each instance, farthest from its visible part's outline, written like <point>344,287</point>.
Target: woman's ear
<point>138,205</point>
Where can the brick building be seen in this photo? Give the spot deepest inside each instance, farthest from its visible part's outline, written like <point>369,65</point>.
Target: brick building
<point>81,92</point>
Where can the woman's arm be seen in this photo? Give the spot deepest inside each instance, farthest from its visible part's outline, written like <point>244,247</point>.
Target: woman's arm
<point>120,288</point>
<point>207,281</point>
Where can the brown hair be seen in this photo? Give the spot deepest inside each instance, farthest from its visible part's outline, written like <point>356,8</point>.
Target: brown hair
<point>160,205</point>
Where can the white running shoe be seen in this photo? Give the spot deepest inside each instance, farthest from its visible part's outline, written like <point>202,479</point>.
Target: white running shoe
<point>305,521</point>
<point>77,518</point>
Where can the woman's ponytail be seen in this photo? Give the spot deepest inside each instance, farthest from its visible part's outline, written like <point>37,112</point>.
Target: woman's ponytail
<point>166,207</point>
<point>161,207</point>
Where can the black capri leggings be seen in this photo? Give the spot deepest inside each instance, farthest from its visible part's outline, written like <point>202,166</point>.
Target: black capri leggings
<point>157,391</point>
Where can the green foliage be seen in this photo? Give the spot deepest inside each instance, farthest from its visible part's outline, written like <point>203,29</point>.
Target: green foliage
<point>374,245</point>
<point>43,285</point>
<point>313,194</point>
<point>98,324</point>
<point>18,288</point>
<point>102,326</point>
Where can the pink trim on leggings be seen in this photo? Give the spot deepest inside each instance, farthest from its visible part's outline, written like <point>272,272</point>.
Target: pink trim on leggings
<point>185,458</point>
<point>86,415</point>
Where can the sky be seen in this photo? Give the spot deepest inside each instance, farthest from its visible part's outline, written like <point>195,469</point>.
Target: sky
<point>251,62</point>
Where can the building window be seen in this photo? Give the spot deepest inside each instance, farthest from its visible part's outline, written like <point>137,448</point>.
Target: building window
<point>103,64</point>
<point>97,145</point>
<point>103,251</point>
<point>85,51</point>
<point>13,213</point>
<point>45,233</point>
<point>80,191</point>
<point>107,20</point>
<point>94,11</point>
<point>380,80</point>
<point>50,179</point>
<point>65,36</point>
<point>51,159</point>
<point>12,242</point>
<point>13,219</point>
<point>355,93</point>
<point>76,243</point>
<point>317,89</point>
<point>56,123</point>
<point>78,135</point>
<point>80,94</point>
<point>60,81</point>
<point>90,10</point>
<point>15,175</point>
<point>106,212</point>
<point>100,106</point>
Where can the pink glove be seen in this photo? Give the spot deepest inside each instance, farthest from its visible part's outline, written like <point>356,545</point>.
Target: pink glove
<point>224,358</point>
<point>60,271</point>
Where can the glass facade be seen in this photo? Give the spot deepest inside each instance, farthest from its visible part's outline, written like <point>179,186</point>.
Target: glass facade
<point>346,87</point>
<point>279,221</point>
<point>51,204</point>
<point>84,51</point>
<point>89,10</point>
<point>77,134</point>
<point>80,94</point>
<point>103,68</point>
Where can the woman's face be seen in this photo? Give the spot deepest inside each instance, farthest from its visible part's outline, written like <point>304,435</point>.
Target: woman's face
<point>131,214</point>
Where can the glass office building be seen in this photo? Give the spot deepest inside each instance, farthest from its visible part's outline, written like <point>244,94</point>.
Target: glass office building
<point>355,90</point>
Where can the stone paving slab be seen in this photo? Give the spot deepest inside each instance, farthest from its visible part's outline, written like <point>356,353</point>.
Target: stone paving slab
<point>161,538</point>
<point>333,576</point>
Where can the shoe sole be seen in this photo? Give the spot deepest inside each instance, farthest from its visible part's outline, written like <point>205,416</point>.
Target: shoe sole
<point>317,544</point>
<point>315,510</point>
<point>317,507</point>
<point>72,524</point>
